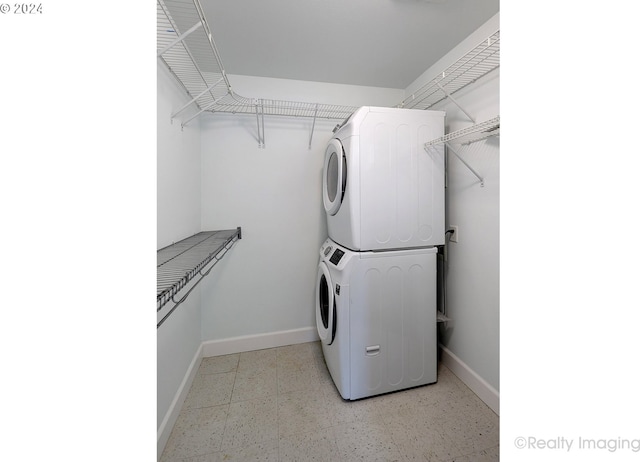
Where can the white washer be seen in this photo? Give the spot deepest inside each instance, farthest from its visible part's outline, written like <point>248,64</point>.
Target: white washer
<point>376,318</point>
<point>381,188</point>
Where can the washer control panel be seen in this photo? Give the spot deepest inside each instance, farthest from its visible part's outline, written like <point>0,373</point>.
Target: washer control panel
<point>332,253</point>
<point>337,255</point>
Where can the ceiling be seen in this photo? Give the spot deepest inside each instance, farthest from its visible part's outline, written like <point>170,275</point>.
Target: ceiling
<point>378,43</point>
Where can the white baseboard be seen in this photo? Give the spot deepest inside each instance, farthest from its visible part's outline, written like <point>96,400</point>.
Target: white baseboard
<point>477,384</point>
<point>231,345</point>
<point>176,405</point>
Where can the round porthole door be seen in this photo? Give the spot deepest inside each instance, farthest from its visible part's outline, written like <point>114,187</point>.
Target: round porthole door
<point>325,305</point>
<point>334,176</point>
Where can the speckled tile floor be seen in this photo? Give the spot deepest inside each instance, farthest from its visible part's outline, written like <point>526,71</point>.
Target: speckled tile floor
<point>280,404</point>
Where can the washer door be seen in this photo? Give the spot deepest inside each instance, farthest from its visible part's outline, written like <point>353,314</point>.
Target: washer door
<point>325,305</point>
<point>335,176</point>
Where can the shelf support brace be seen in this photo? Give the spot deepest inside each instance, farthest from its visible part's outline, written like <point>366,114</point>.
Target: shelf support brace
<point>313,126</point>
<point>198,113</point>
<point>465,164</point>
<point>455,102</point>
<point>180,38</point>
<point>195,98</point>
<point>260,121</point>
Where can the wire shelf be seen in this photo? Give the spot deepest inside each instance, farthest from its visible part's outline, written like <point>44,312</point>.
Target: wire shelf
<point>471,134</point>
<point>181,262</point>
<point>186,46</point>
<point>239,105</point>
<point>467,136</point>
<point>478,62</point>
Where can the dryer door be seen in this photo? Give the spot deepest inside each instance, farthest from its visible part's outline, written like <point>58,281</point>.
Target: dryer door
<point>334,176</point>
<point>325,305</point>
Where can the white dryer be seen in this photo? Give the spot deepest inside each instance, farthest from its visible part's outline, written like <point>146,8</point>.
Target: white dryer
<point>376,318</point>
<point>381,188</point>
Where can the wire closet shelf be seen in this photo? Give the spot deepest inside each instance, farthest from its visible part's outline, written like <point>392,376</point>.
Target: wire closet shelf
<point>468,136</point>
<point>185,44</point>
<point>473,65</point>
<point>179,263</point>
<point>471,134</point>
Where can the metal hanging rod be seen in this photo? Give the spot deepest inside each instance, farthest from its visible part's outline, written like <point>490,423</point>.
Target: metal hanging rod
<point>180,263</point>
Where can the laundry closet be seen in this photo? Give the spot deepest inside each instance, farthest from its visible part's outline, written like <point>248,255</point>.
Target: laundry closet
<point>243,156</point>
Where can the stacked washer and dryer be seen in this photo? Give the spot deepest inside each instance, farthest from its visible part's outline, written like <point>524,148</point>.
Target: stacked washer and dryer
<point>376,293</point>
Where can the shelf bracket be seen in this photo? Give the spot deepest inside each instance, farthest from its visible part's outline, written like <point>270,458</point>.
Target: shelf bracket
<point>260,120</point>
<point>465,164</point>
<point>485,129</point>
<point>196,97</point>
<point>313,126</point>
<point>180,38</point>
<point>454,101</point>
<point>199,112</point>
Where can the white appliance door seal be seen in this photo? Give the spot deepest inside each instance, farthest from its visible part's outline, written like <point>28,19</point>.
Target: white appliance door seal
<point>334,178</point>
<point>324,304</point>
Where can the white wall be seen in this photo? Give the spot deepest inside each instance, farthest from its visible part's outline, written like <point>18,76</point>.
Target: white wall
<point>473,295</point>
<point>268,283</point>
<point>178,165</point>
<point>178,203</point>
